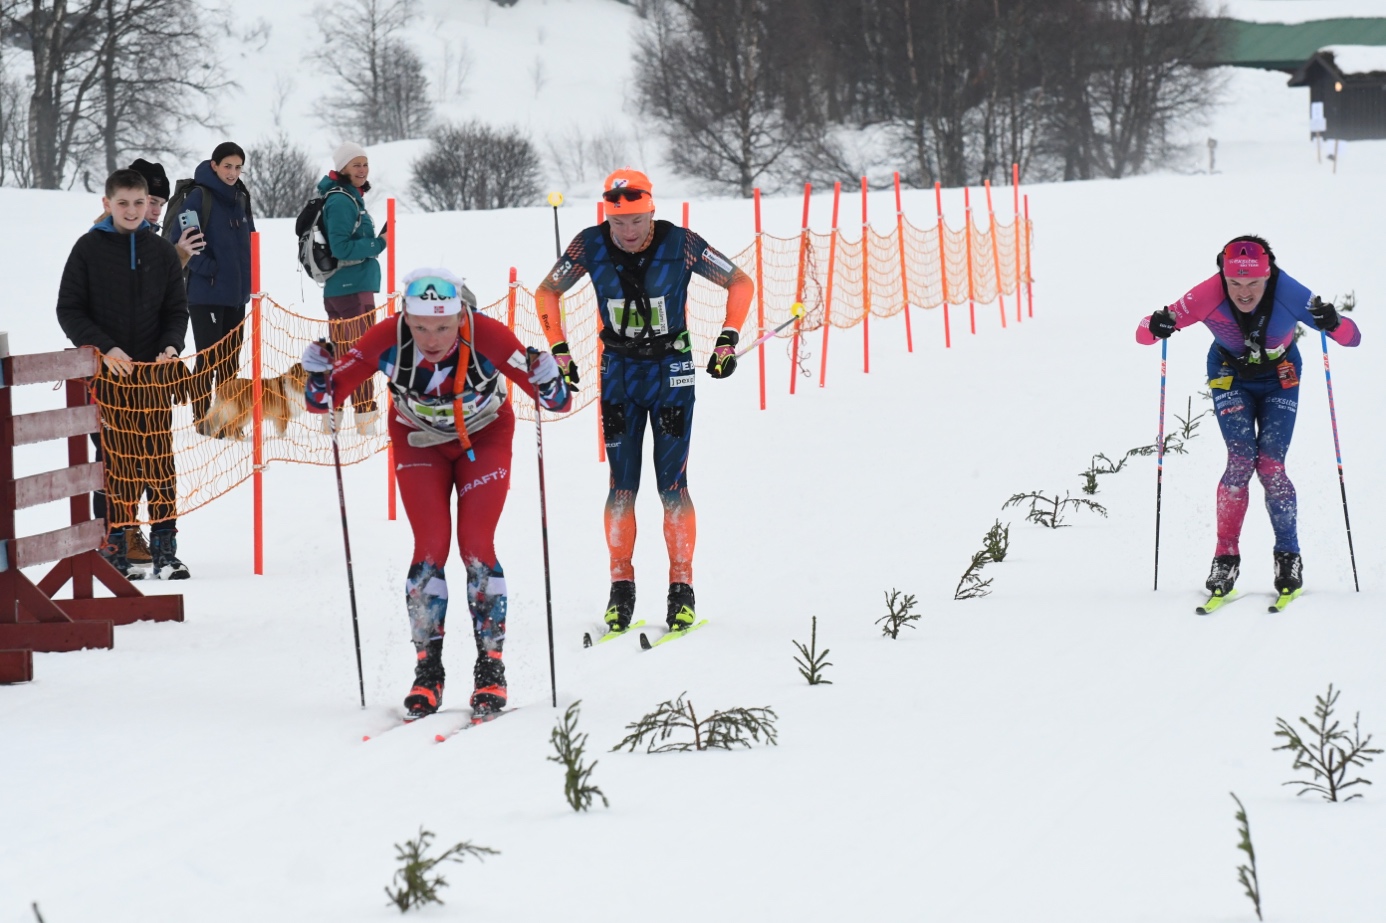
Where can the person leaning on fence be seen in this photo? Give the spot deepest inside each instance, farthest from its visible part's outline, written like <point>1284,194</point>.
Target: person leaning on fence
<point>348,295</point>
<point>219,276</point>
<point>122,292</point>
<point>641,269</point>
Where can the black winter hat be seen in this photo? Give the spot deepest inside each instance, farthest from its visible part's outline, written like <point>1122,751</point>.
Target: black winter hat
<point>154,175</point>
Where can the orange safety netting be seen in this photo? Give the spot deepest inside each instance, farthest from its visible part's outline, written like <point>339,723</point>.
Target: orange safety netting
<point>151,442</point>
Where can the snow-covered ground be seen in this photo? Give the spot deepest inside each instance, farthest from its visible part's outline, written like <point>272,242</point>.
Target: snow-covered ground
<point>1059,751</point>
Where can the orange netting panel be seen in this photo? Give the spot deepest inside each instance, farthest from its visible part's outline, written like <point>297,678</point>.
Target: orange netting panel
<point>160,462</point>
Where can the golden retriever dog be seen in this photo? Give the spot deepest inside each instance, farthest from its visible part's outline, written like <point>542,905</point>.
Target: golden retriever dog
<point>230,414</point>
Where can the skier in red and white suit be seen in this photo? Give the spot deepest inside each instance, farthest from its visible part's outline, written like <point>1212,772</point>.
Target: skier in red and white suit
<point>444,363</point>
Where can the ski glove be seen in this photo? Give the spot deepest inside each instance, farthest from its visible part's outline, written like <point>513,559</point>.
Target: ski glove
<point>1325,315</point>
<point>1162,324</point>
<point>317,362</point>
<point>547,378</point>
<point>317,357</point>
<point>722,362</point>
<point>564,357</point>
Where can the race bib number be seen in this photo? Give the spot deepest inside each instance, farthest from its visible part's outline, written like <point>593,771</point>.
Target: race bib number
<point>625,315</point>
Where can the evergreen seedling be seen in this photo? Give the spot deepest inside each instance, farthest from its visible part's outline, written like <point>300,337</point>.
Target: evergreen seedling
<point>899,614</point>
<point>1246,874</point>
<point>1188,424</point>
<point>569,745</point>
<point>971,585</point>
<point>1098,465</point>
<point>1327,750</point>
<point>812,664</point>
<point>721,730</point>
<point>1049,511</point>
<point>416,881</point>
<point>998,542</point>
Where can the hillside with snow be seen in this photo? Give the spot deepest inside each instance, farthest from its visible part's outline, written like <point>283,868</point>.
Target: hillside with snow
<point>1059,751</point>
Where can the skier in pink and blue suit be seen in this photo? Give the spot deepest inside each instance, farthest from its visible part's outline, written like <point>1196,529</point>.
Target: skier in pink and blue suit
<point>1253,307</point>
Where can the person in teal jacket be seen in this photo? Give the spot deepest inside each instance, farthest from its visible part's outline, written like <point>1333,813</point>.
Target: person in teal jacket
<point>348,295</point>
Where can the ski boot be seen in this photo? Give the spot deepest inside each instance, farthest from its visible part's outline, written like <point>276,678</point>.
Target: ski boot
<point>116,552</point>
<point>489,684</point>
<point>1289,572</point>
<point>620,608</point>
<point>681,615</point>
<point>427,694</point>
<point>164,550</point>
<point>137,549</point>
<point>1223,575</point>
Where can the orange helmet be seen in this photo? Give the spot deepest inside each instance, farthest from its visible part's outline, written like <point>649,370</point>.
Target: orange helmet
<point>628,192</point>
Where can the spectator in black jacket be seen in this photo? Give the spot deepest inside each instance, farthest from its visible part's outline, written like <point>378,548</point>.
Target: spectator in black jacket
<point>122,292</point>
<point>219,280</point>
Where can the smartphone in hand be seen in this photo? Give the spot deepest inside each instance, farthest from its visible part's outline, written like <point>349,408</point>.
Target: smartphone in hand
<point>189,219</point>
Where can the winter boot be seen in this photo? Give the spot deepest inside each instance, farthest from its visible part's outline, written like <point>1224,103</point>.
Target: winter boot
<point>681,604</point>
<point>163,547</point>
<point>488,602</point>
<point>1289,572</point>
<point>116,551</point>
<point>620,608</point>
<point>427,694</point>
<point>1224,573</point>
<point>137,550</point>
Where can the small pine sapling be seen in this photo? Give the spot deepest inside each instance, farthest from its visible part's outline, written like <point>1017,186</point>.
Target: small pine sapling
<point>416,881</point>
<point>1246,874</point>
<point>971,585</point>
<point>1326,750</point>
<point>998,542</point>
<point>812,665</point>
<point>1100,464</point>
<point>1188,424</point>
<point>721,730</point>
<point>569,746</point>
<point>1049,511</point>
<point>898,615</point>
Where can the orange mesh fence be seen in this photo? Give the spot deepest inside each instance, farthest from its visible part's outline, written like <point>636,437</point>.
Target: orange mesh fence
<point>160,462</point>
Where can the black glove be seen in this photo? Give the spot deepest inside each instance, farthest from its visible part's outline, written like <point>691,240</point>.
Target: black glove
<point>722,362</point>
<point>1325,315</point>
<point>1162,324</point>
<point>564,357</point>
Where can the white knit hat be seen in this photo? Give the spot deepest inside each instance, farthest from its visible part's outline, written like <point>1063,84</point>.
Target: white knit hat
<point>346,153</point>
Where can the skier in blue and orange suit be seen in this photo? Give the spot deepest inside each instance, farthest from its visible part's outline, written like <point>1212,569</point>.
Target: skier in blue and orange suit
<point>1252,308</point>
<point>640,270</point>
<point>452,434</point>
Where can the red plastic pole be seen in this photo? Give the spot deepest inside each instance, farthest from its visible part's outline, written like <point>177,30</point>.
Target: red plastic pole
<point>865,284</point>
<point>1015,231</point>
<point>1029,287</point>
<point>685,214</point>
<point>510,313</point>
<point>971,291</point>
<point>799,290</point>
<point>390,502</point>
<point>760,299</point>
<point>943,265</point>
<point>257,407</point>
<point>828,298</point>
<point>995,254</point>
<point>904,266</point>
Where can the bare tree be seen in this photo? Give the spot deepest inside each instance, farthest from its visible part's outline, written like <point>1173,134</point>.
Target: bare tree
<point>380,91</point>
<point>474,166</point>
<point>284,177</point>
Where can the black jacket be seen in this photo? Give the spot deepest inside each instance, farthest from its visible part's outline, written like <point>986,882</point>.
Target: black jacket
<point>124,290</point>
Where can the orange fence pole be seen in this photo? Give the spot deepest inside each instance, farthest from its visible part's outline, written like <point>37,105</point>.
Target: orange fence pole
<point>995,254</point>
<point>865,284</point>
<point>760,299</point>
<point>510,313</point>
<point>1015,229</point>
<point>828,298</point>
<point>971,290</point>
<point>943,265</point>
<point>257,439</point>
<point>904,267</point>
<point>390,503</point>
<point>685,214</point>
<point>1029,279</point>
<point>601,433</point>
<point>799,290</point>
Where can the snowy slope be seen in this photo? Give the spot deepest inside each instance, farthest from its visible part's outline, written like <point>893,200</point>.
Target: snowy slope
<point>1059,751</point>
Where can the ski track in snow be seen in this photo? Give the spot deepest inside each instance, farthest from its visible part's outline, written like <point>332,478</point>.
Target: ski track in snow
<point>1059,751</point>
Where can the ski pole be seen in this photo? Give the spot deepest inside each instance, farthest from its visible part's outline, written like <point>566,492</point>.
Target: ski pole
<point>556,199</point>
<point>346,535</point>
<point>1338,452</point>
<point>796,311</point>
<point>544,531</point>
<point>1160,458</point>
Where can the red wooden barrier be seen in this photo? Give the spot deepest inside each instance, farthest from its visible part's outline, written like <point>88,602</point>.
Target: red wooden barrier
<point>30,618</point>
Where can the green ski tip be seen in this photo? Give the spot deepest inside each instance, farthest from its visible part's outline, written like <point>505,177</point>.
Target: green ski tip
<point>1284,600</point>
<point>1215,603</point>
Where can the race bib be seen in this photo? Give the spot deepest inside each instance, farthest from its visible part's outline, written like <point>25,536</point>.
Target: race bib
<point>625,315</point>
